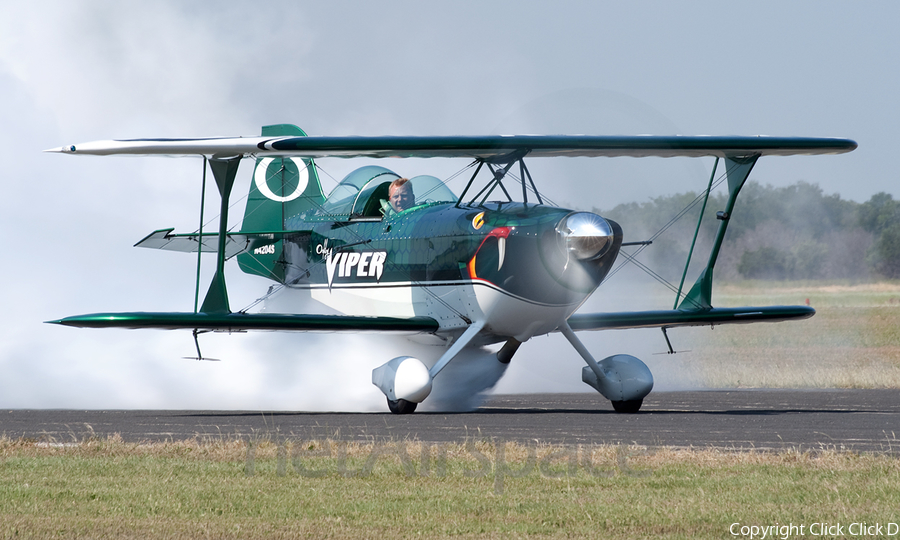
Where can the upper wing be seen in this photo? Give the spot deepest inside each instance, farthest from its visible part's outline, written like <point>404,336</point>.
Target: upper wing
<point>486,147</point>
<point>676,317</point>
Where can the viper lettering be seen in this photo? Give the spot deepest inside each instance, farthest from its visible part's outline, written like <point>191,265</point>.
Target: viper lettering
<point>368,264</point>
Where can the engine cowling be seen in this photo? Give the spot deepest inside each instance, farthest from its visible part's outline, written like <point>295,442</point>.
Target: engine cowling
<point>404,378</point>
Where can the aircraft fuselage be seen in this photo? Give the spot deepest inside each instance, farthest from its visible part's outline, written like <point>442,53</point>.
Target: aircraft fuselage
<point>506,263</point>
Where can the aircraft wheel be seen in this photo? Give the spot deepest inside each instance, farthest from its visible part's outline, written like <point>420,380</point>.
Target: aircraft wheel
<point>627,407</point>
<point>402,406</point>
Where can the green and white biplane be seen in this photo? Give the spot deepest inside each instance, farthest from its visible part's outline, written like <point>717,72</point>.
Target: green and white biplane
<point>482,268</point>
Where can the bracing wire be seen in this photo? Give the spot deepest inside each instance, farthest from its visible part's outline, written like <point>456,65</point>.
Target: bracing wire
<point>632,258</point>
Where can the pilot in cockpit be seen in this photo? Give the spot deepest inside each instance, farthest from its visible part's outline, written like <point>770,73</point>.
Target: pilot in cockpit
<point>401,195</point>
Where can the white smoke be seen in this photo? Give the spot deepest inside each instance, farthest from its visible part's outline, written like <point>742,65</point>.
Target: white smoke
<point>466,381</point>
<point>333,372</point>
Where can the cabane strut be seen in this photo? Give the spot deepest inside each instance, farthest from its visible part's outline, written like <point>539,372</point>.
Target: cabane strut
<point>499,168</point>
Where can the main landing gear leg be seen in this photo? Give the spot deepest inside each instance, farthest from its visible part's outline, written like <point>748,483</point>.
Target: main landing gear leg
<point>622,379</point>
<point>406,381</point>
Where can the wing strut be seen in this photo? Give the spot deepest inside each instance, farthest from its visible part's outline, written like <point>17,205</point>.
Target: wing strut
<point>737,169</point>
<point>523,170</point>
<point>712,176</point>
<point>200,245</point>
<point>224,171</point>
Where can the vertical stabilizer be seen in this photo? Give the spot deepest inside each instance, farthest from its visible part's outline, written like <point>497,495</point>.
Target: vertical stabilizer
<point>281,188</point>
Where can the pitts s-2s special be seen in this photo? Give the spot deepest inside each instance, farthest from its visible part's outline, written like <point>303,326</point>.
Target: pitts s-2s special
<point>495,265</point>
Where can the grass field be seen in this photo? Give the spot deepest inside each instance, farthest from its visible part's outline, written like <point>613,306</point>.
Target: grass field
<point>106,488</point>
<point>853,341</point>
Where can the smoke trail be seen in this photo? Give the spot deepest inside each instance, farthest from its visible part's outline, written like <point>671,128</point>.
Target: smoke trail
<point>334,372</point>
<point>464,383</point>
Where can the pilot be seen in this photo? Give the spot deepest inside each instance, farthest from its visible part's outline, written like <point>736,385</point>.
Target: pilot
<point>401,195</point>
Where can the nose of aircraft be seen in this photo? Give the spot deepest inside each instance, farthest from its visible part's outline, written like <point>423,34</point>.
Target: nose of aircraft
<point>584,235</point>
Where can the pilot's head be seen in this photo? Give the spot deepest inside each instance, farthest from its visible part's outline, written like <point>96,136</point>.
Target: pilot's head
<point>401,195</point>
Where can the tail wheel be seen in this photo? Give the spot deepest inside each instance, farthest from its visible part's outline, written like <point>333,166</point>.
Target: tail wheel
<point>402,406</point>
<point>626,407</point>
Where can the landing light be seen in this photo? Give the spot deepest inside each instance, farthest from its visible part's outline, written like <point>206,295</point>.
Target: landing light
<point>584,235</point>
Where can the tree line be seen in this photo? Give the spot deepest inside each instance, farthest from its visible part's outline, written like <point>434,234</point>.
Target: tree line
<point>793,232</point>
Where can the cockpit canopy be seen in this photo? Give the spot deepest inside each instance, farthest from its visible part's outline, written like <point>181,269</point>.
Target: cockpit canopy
<point>363,194</point>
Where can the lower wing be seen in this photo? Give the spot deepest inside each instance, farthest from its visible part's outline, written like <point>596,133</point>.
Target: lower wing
<point>237,322</point>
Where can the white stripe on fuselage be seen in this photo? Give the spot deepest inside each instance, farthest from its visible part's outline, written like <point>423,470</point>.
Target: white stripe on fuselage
<point>447,302</point>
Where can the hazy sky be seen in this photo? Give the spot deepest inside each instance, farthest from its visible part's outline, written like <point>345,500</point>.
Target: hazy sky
<point>78,71</point>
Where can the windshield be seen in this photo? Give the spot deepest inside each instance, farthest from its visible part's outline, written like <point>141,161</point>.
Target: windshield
<point>429,190</point>
<point>365,193</point>
<point>340,202</point>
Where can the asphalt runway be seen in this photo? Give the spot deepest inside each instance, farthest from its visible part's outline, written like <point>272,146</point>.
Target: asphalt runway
<point>856,420</point>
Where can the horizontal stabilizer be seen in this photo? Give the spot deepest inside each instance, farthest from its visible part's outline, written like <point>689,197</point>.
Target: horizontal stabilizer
<point>676,317</point>
<point>188,243</point>
<point>236,322</point>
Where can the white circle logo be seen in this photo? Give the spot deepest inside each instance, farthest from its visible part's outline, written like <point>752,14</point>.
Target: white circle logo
<point>261,178</point>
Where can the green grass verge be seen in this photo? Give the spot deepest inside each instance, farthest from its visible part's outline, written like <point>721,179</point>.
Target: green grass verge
<point>107,488</point>
<point>853,341</point>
